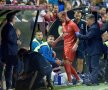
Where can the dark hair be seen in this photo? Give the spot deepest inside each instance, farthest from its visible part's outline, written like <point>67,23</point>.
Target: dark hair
<point>50,36</point>
<point>22,52</point>
<point>78,11</point>
<point>90,16</point>
<point>10,16</point>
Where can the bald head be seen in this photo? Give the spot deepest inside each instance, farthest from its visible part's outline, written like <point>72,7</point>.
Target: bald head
<point>63,16</point>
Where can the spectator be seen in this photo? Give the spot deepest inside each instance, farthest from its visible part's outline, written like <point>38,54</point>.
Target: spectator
<point>9,45</point>
<point>68,6</point>
<point>76,3</point>
<point>106,3</point>
<point>55,12</point>
<point>41,21</point>
<point>102,14</point>
<point>53,2</point>
<point>61,5</point>
<point>8,2</point>
<point>32,20</point>
<point>85,2</point>
<point>49,16</point>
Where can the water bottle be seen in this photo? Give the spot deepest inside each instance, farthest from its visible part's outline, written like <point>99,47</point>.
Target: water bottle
<point>59,79</point>
<point>56,79</point>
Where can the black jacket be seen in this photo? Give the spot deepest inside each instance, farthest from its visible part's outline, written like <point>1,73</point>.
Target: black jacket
<point>94,40</point>
<point>9,41</point>
<point>34,61</point>
<point>104,27</point>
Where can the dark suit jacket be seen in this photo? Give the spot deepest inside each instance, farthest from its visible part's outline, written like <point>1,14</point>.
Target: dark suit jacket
<point>94,40</point>
<point>9,41</point>
<point>104,27</point>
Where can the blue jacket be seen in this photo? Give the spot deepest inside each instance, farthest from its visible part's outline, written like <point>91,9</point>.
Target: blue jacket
<point>94,40</point>
<point>36,43</point>
<point>47,52</point>
<point>9,44</point>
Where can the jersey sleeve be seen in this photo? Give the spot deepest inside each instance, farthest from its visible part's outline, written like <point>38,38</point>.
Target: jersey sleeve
<point>75,27</point>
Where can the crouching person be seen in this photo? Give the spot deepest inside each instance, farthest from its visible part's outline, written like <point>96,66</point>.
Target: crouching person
<point>34,62</point>
<point>46,50</point>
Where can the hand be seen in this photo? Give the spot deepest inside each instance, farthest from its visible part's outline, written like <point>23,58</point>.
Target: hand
<point>4,65</point>
<point>58,62</point>
<point>105,36</point>
<point>74,48</point>
<point>54,44</point>
<point>18,42</point>
<point>54,54</point>
<point>67,62</point>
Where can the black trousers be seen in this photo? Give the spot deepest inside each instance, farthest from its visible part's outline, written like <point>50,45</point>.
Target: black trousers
<point>1,70</point>
<point>11,70</point>
<point>106,68</point>
<point>93,67</point>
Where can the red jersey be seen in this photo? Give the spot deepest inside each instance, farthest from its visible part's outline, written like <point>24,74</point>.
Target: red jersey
<point>70,38</point>
<point>69,35</point>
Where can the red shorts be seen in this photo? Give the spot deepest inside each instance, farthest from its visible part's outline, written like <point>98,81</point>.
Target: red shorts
<point>69,54</point>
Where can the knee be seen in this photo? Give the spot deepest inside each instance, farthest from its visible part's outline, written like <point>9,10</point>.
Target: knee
<point>68,71</point>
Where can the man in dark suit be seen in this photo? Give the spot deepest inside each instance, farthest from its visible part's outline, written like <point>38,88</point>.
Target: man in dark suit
<point>9,48</point>
<point>94,48</point>
<point>104,29</point>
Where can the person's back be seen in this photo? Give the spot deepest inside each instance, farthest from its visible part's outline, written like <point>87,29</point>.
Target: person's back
<point>34,62</point>
<point>9,40</point>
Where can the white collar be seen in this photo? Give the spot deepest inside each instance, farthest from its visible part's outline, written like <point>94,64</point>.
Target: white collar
<point>11,23</point>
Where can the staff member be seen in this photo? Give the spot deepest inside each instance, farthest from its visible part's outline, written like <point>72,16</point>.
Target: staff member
<point>94,48</point>
<point>47,52</point>
<point>9,48</point>
<point>104,29</point>
<point>37,40</point>
<point>81,46</point>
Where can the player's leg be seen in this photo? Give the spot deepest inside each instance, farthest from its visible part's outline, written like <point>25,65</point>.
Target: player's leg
<point>67,67</point>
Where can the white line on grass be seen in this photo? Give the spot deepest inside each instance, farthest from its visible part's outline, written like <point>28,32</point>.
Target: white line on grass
<point>105,88</point>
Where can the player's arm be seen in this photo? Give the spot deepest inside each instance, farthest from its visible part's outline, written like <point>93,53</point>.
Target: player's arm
<point>57,40</point>
<point>77,41</point>
<point>74,48</point>
<point>76,29</point>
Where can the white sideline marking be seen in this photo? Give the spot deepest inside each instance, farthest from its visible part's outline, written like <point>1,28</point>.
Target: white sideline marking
<point>105,88</point>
